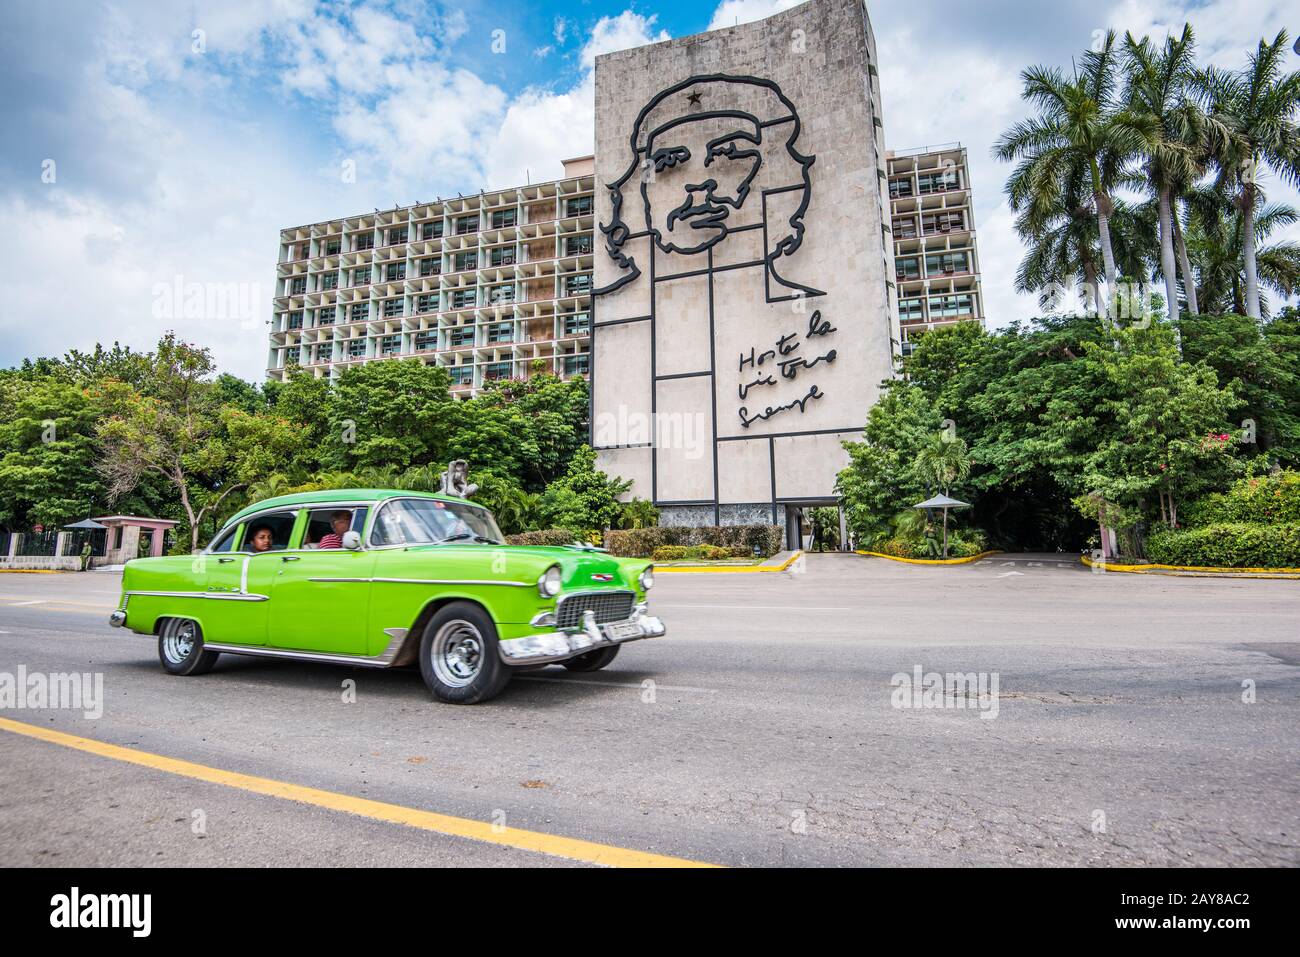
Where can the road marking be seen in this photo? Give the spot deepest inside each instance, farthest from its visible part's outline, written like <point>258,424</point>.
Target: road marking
<point>10,603</point>
<point>38,601</point>
<point>1009,574</point>
<point>567,847</point>
<point>614,684</point>
<point>798,608</point>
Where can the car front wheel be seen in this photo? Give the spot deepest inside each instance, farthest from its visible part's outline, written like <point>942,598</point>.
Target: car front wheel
<point>458,655</point>
<point>180,648</point>
<point>592,660</point>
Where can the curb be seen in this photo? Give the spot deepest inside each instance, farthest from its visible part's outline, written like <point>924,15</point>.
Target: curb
<point>1205,571</point>
<point>32,571</point>
<point>724,570</point>
<point>931,561</point>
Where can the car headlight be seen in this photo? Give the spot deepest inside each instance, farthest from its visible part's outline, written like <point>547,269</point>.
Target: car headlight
<point>647,578</point>
<point>548,586</point>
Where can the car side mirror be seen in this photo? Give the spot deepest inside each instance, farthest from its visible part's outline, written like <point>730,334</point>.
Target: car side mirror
<point>352,540</point>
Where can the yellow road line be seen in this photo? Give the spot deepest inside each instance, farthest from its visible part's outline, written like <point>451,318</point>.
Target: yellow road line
<point>931,561</point>
<point>566,847</point>
<point>726,569</point>
<point>1213,571</point>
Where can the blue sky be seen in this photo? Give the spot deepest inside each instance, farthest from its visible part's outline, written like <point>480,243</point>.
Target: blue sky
<point>151,144</point>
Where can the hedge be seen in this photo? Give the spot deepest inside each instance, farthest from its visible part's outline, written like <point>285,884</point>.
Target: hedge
<point>1228,545</point>
<point>675,553</point>
<point>741,539</point>
<point>547,536</point>
<point>1267,500</point>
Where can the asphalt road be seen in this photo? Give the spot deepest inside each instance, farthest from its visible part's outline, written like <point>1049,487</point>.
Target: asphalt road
<point>766,737</point>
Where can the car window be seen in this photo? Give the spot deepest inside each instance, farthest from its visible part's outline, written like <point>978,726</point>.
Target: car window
<point>428,521</point>
<point>320,522</point>
<point>225,540</point>
<point>279,524</point>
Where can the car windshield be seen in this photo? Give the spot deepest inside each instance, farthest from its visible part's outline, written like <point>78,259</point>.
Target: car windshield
<point>429,522</point>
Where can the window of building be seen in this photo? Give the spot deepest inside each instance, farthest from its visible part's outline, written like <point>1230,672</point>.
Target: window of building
<point>496,370</point>
<point>363,241</point>
<point>576,365</point>
<point>907,268</point>
<point>501,332</point>
<point>462,336</point>
<point>899,188</point>
<point>427,303</point>
<point>503,218</point>
<point>291,356</point>
<point>329,280</point>
<point>941,264</point>
<point>396,235</point>
<point>464,261</point>
<point>904,228</point>
<point>502,256</point>
<point>943,222</point>
<point>426,340</point>
<point>431,230</point>
<point>463,299</point>
<point>395,272</point>
<point>393,307</point>
<point>577,285</point>
<point>577,325</point>
<point>579,206</point>
<point>466,224</point>
<point>431,266</point>
<point>325,316</point>
<point>937,182</point>
<point>390,345</point>
<point>361,277</point>
<point>502,293</point>
<point>325,352</point>
<point>461,375</point>
<point>947,307</point>
<point>333,247</point>
<point>295,319</point>
<point>577,245</point>
<point>356,348</point>
<point>360,311</point>
<point>911,310</point>
<point>298,286</point>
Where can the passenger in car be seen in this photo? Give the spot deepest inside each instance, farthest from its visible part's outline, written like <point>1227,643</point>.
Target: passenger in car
<point>261,539</point>
<point>340,521</point>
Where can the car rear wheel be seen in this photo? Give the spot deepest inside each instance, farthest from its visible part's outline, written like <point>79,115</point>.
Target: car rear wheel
<point>180,648</point>
<point>458,655</point>
<point>592,660</point>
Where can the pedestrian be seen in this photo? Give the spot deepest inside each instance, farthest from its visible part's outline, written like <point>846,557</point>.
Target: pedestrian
<point>85,556</point>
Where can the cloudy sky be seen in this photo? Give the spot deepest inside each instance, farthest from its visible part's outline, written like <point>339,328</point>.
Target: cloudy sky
<point>149,145</point>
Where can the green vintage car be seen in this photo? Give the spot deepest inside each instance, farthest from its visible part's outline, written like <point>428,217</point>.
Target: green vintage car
<point>385,579</point>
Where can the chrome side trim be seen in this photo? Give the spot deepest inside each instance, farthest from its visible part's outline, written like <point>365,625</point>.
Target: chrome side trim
<point>222,596</point>
<point>384,660</point>
<point>424,581</point>
<point>396,633</point>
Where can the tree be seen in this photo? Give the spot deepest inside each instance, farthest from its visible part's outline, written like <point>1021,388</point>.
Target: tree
<point>1216,241</point>
<point>1257,108</point>
<point>1158,82</point>
<point>175,432</point>
<point>942,462</point>
<point>392,413</point>
<point>1078,132</point>
<point>584,497</point>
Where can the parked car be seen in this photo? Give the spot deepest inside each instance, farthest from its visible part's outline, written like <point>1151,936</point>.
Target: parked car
<point>385,579</point>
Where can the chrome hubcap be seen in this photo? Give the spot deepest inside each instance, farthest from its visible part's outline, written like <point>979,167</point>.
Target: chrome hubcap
<point>457,653</point>
<point>178,641</point>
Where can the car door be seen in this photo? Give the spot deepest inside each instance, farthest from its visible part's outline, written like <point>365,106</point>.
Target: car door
<point>320,600</point>
<point>234,609</point>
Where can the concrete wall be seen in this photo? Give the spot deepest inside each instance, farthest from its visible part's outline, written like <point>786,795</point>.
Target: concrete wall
<point>669,346</point>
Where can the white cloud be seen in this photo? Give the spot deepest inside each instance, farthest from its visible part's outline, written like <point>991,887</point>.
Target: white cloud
<point>560,29</point>
<point>733,12</point>
<point>627,30</point>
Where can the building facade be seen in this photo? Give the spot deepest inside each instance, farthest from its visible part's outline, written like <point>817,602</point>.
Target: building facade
<point>491,286</point>
<point>936,263</point>
<point>744,314</point>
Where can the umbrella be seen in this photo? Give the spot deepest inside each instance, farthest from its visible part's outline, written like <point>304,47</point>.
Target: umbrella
<point>945,503</point>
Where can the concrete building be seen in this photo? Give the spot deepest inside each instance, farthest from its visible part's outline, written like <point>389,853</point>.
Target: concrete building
<point>744,315</point>
<point>487,286</point>
<point>936,263</point>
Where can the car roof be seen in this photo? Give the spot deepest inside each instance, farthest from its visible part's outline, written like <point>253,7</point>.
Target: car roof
<point>328,496</point>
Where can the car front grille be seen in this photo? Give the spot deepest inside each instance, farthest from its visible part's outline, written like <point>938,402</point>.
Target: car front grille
<point>612,605</point>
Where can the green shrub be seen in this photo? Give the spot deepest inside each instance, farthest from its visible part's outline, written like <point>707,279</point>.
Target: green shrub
<point>547,536</point>
<point>1265,500</point>
<point>642,542</point>
<point>898,547</point>
<point>713,553</point>
<point>670,553</point>
<point>1228,545</point>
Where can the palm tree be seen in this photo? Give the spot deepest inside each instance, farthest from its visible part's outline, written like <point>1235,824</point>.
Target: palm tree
<point>1216,239</point>
<point>1158,81</point>
<point>942,462</point>
<point>1078,131</point>
<point>1257,108</point>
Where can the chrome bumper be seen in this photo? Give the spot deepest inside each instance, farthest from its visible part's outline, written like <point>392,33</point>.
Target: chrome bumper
<point>117,619</point>
<point>559,645</point>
